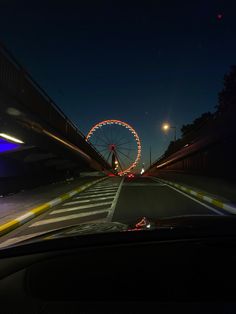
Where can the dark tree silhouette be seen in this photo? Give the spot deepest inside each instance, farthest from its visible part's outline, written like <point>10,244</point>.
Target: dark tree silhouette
<point>227,97</point>
<point>226,104</point>
<point>197,124</point>
<point>186,128</point>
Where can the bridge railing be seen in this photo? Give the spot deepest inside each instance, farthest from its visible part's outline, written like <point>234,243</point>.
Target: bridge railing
<point>20,84</point>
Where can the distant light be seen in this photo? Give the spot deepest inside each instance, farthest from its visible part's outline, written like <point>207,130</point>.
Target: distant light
<point>11,138</point>
<point>165,126</point>
<point>142,171</point>
<point>13,111</point>
<point>219,16</point>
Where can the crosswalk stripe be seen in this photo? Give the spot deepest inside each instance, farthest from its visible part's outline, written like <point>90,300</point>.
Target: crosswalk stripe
<point>102,189</point>
<point>88,201</point>
<point>95,195</point>
<point>144,184</point>
<point>97,192</point>
<point>63,210</point>
<point>68,217</point>
<point>107,185</point>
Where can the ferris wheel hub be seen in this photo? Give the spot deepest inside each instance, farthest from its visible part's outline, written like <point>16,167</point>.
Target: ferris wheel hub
<point>112,147</point>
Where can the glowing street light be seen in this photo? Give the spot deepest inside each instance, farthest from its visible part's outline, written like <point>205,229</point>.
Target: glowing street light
<point>11,138</point>
<point>167,126</point>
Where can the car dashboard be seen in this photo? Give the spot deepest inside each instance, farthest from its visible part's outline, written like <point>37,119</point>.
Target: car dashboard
<point>119,275</point>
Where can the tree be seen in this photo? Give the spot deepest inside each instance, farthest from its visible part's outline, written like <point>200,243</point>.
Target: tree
<point>197,124</point>
<point>227,97</point>
<point>226,104</point>
<point>186,128</point>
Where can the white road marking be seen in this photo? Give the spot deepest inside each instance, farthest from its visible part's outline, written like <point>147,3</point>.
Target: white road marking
<point>15,240</point>
<point>95,195</point>
<point>113,206</point>
<point>85,199</point>
<point>106,186</point>
<point>193,199</point>
<point>88,201</point>
<point>30,236</point>
<point>143,184</point>
<point>109,183</point>
<point>64,210</point>
<point>25,216</point>
<point>69,217</point>
<point>72,193</point>
<point>98,192</point>
<point>55,201</point>
<point>103,189</point>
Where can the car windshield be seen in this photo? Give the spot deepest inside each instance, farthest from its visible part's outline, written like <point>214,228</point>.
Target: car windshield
<point>115,116</point>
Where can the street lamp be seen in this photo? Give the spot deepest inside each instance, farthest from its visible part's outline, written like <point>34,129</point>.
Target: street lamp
<point>11,138</point>
<point>167,126</point>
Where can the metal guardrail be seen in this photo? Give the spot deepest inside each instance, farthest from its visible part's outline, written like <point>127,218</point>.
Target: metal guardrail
<point>20,83</point>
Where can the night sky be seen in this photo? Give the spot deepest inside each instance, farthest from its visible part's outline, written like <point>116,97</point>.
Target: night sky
<point>143,64</point>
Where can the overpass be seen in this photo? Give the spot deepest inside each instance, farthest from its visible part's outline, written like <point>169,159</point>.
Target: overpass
<point>44,142</point>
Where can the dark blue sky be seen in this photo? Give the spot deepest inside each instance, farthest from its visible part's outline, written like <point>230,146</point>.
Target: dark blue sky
<point>144,64</point>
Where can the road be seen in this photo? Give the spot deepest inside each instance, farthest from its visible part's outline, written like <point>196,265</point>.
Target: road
<point>114,199</point>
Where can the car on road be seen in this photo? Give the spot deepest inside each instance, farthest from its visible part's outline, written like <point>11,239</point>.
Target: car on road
<point>130,176</point>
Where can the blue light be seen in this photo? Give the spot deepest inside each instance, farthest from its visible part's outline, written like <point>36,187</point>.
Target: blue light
<point>6,146</point>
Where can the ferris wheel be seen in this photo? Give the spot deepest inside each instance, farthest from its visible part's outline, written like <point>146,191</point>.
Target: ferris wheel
<point>118,143</point>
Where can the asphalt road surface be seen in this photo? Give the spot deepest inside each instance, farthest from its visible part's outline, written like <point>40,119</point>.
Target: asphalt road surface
<point>115,199</point>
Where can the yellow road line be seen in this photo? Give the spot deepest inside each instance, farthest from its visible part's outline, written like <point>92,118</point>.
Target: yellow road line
<point>30,214</point>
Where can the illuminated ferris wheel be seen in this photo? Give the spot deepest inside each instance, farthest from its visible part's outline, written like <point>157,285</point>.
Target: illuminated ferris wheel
<point>118,143</point>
